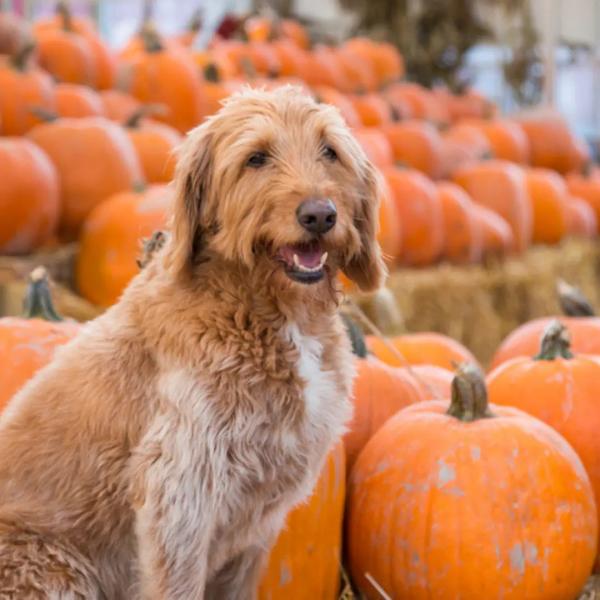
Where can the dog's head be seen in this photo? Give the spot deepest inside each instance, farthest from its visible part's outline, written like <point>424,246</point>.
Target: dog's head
<point>276,179</point>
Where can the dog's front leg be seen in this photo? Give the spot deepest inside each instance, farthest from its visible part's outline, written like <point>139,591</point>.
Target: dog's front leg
<point>171,499</point>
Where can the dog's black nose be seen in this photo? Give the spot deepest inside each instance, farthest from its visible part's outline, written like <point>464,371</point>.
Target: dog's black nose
<point>317,216</point>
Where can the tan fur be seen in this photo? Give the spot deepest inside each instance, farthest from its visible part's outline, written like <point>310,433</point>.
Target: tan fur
<point>158,454</point>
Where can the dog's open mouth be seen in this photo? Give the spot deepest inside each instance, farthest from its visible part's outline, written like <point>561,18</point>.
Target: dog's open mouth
<point>304,263</point>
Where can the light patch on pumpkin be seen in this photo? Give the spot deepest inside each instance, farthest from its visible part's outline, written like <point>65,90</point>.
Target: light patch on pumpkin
<point>532,553</point>
<point>284,575</point>
<point>446,474</point>
<point>475,452</point>
<point>517,559</point>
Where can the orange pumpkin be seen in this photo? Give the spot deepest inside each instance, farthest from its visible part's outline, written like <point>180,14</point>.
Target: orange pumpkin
<point>506,138</point>
<point>416,144</point>
<point>258,28</point>
<point>465,105</point>
<point>28,343</point>
<point>29,196</point>
<point>389,235</point>
<point>159,74</point>
<point>525,339</point>
<point>501,186</point>
<point>440,491</point>
<point>217,60</point>
<point>421,102</point>
<point>463,144</point>
<point>375,145</point>
<point>581,218</point>
<point>586,185</point>
<point>420,349</point>
<point>548,194</point>
<point>290,29</point>
<point>325,69</point>
<point>213,91</point>
<point>305,561</point>
<point>342,102</point>
<point>435,381</point>
<point>384,59</point>
<point>155,144</point>
<point>358,72</point>
<point>94,159</point>
<point>22,88</point>
<point>74,100</point>
<point>117,105</point>
<point>292,59</point>
<point>420,211</point>
<point>110,241</point>
<point>558,388</point>
<point>463,235</point>
<point>372,109</point>
<point>497,236</point>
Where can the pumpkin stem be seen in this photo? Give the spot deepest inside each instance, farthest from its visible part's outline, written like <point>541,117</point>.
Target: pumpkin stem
<point>572,300</point>
<point>151,38</point>
<point>20,59</point>
<point>150,246</point>
<point>63,11</point>
<point>469,394</point>
<point>44,114</point>
<point>38,300</point>
<point>133,122</point>
<point>195,24</point>
<point>556,342</point>
<point>211,73</point>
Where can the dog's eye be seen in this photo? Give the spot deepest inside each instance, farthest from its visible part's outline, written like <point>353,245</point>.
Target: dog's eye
<point>257,160</point>
<point>329,153</point>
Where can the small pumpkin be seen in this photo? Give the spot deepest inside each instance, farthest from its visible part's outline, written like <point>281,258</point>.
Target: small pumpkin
<point>305,561</point>
<point>375,145</point>
<point>467,104</point>
<point>501,186</point>
<point>559,388</point>
<point>463,234</point>
<point>582,219</point>
<point>497,236</point>
<point>73,100</point>
<point>506,138</point>
<point>548,193</point>
<point>425,348</point>
<point>28,343</point>
<point>372,109</point>
<point>342,102</point>
<point>290,29</point>
<point>118,106</point>
<point>422,102</point>
<point>29,196</point>
<point>440,484</point>
<point>384,59</point>
<point>420,212</point>
<point>111,238</point>
<point>358,72</point>
<point>155,144</point>
<point>94,159</point>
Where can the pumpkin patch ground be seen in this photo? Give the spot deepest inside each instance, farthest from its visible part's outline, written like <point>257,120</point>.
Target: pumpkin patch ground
<point>447,484</point>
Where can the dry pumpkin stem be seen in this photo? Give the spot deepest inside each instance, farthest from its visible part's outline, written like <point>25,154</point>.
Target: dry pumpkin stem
<point>556,342</point>
<point>572,300</point>
<point>144,111</point>
<point>64,12</point>
<point>20,59</point>
<point>38,300</point>
<point>469,395</point>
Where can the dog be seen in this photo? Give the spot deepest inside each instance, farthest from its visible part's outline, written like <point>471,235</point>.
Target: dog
<point>158,454</point>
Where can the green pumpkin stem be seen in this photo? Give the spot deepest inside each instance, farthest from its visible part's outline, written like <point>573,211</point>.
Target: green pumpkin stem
<point>469,394</point>
<point>64,12</point>
<point>556,342</point>
<point>38,299</point>
<point>134,121</point>
<point>572,300</point>
<point>20,59</point>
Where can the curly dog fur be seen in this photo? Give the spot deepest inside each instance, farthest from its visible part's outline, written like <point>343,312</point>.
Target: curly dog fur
<point>157,456</point>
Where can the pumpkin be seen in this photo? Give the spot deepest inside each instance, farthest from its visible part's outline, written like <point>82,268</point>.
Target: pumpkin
<point>416,144</point>
<point>74,100</point>
<point>258,28</point>
<point>292,59</point>
<point>421,102</point>
<point>159,74</point>
<point>381,390</point>
<point>582,219</point>
<point>213,90</point>
<point>465,105</point>
<point>28,343</point>
<point>463,235</point>
<point>586,185</point>
<point>305,561</point>
<point>440,491</point>
<point>155,144</point>
<point>372,109</point>
<point>290,29</point>
<point>501,186</point>
<point>263,58</point>
<point>506,138</point>
<point>375,145</point>
<point>117,105</point>
<point>110,241</point>
<point>558,388</point>
<point>384,59</point>
<point>548,193</point>
<point>389,235</point>
<point>420,211</point>
<point>29,196</point>
<point>22,87</point>
<point>552,143</point>
<point>325,69</point>
<point>104,62</point>
<point>497,236</point>
<point>358,71</point>
<point>470,139</point>
<point>217,60</point>
<point>425,348</point>
<point>94,159</point>
<point>342,102</point>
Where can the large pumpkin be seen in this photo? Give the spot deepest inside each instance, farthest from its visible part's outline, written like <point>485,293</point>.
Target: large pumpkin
<point>426,348</point>
<point>27,343</point>
<point>74,100</point>
<point>305,561</point>
<point>29,196</point>
<point>23,87</point>
<point>111,239</point>
<point>155,144</point>
<point>159,74</point>
<point>500,186</point>
<point>420,211</point>
<point>94,159</point>
<point>463,234</point>
<point>469,501</point>
<point>559,388</point>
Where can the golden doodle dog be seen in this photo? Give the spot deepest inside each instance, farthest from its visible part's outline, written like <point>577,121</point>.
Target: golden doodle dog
<point>157,456</point>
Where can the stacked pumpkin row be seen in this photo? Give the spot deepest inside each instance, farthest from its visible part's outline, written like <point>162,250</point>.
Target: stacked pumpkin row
<point>436,474</point>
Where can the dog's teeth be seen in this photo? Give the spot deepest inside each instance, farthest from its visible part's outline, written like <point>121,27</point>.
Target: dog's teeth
<point>323,259</point>
<point>305,269</point>
<point>297,261</point>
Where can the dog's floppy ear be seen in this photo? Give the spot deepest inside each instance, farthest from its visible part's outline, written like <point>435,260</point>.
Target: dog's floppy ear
<point>366,268</point>
<point>191,189</point>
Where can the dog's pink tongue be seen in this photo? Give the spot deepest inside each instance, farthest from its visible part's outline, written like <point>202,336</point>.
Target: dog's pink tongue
<point>310,258</point>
